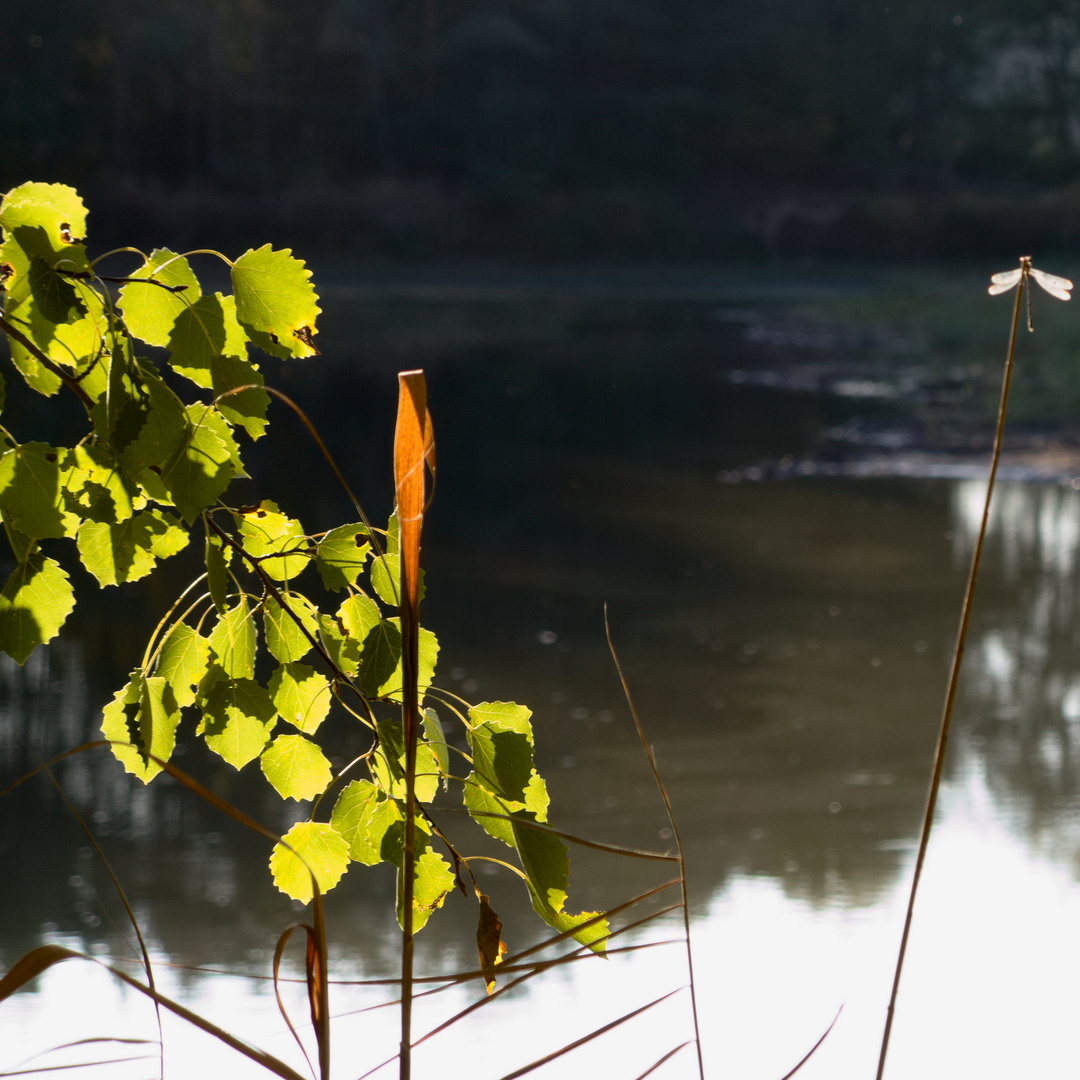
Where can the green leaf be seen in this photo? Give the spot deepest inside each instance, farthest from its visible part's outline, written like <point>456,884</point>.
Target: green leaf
<point>146,713</point>
<point>547,866</point>
<point>129,551</point>
<point>386,638</point>
<point>296,767</point>
<point>341,555</point>
<point>21,544</point>
<point>285,640</point>
<point>386,578</point>
<point>233,641</point>
<point>268,534</point>
<point>55,207</point>
<point>432,882</point>
<point>238,717</point>
<point>31,499</point>
<point>436,739</point>
<point>359,615</point>
<point>150,311</point>
<point>502,747</point>
<point>275,302</point>
<point>54,295</point>
<point>183,661</point>
<point>74,345</point>
<point>387,764</point>
<point>34,603</point>
<point>301,695</point>
<point>203,331</point>
<point>353,818</point>
<point>344,651</point>
<point>322,851</point>
<point>380,659</point>
<point>203,466</point>
<point>217,558</point>
<point>145,422</point>
<point>94,486</point>
<point>481,804</point>
<point>245,408</point>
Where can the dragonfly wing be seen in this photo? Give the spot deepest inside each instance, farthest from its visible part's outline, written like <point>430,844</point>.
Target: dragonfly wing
<point>1054,285</point>
<point>1003,282</point>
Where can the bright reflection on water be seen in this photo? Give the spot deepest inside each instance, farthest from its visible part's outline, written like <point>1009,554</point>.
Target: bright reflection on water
<point>788,647</point>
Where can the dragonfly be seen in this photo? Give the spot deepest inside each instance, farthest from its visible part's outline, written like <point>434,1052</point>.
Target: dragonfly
<point>1051,283</point>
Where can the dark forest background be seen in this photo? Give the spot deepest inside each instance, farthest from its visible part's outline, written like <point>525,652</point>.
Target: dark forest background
<point>555,129</point>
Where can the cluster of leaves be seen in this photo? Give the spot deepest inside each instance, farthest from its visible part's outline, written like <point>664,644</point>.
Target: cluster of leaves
<point>149,472</point>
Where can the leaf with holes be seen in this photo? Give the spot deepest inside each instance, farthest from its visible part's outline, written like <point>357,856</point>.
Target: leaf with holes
<point>341,555</point>
<point>275,302</point>
<point>275,539</point>
<point>183,661</point>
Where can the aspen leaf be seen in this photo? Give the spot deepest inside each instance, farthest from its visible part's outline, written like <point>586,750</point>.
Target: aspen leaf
<point>51,206</point>
<point>275,302</point>
<point>284,639</point>
<point>341,555</point>
<point>54,295</point>
<point>275,539</point>
<point>233,641</point>
<point>245,408</point>
<point>295,767</point>
<point>150,311</point>
<point>301,696</point>
<point>382,645</point>
<point>203,331</point>
<point>203,465</point>
<point>183,661</point>
<point>359,615</point>
<point>502,747</point>
<point>95,487</point>
<point>433,880</point>
<point>352,817</point>
<point>344,651</point>
<point>146,713</point>
<point>322,851</point>
<point>31,499</point>
<point>36,600</point>
<point>129,550</point>
<point>238,717</point>
<point>436,739</point>
<point>217,575</point>
<point>386,578</point>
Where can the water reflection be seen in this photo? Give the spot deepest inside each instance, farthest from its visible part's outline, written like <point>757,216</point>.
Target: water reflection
<point>787,644</point>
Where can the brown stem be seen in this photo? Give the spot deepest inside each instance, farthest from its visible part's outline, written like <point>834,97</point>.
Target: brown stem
<point>68,380</point>
<point>954,673</point>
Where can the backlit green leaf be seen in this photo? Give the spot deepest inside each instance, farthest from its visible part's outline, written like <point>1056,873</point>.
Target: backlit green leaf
<point>275,302</point>
<point>502,747</point>
<point>380,659</point>
<point>95,487</point>
<point>30,491</point>
<point>34,603</point>
<point>275,539</point>
<point>359,615</point>
<point>183,661</point>
<point>547,866</point>
<point>55,207</point>
<point>238,717</point>
<point>128,551</point>
<point>217,558</point>
<point>150,311</point>
<point>481,804</point>
<point>284,638</point>
<point>352,817</point>
<point>436,739</point>
<point>433,881</point>
<point>203,331</point>
<point>245,408</point>
<point>344,651</point>
<point>233,641</point>
<point>203,465</point>
<point>341,555</point>
<point>386,578</point>
<point>301,695</point>
<point>428,654</point>
<point>295,767</point>
<point>54,295</point>
<point>145,713</point>
<point>322,851</point>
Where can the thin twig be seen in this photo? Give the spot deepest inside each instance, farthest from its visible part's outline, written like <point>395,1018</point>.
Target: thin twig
<point>954,678</point>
